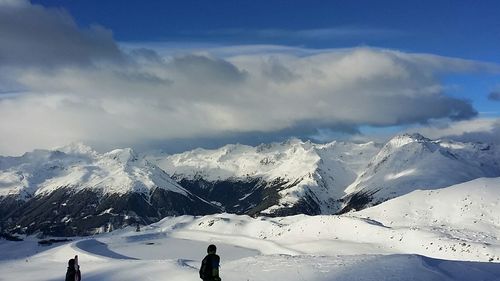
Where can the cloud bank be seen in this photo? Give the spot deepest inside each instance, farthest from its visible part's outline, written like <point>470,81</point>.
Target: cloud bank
<point>485,130</point>
<point>77,84</point>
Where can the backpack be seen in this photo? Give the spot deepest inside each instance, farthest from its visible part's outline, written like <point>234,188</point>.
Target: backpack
<point>209,263</point>
<point>206,268</point>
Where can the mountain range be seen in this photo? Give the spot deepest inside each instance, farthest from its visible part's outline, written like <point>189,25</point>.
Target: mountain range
<point>75,190</point>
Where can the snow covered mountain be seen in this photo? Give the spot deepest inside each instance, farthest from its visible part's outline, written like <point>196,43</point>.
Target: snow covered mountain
<point>75,190</point>
<point>272,179</point>
<point>411,162</point>
<point>301,177</point>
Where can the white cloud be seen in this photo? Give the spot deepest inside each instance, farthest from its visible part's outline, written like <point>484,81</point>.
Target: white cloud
<point>102,95</point>
<point>475,130</point>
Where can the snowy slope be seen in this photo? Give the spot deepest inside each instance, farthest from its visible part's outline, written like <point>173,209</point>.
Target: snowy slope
<point>410,162</point>
<point>98,263</point>
<point>445,234</point>
<point>318,173</point>
<point>472,209</point>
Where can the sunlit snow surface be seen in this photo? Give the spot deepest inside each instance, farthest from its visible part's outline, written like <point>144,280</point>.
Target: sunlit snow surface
<point>447,234</point>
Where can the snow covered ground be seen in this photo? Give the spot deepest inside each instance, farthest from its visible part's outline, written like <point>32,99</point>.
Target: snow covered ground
<point>447,234</point>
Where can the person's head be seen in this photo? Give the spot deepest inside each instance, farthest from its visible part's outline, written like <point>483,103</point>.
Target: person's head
<point>211,249</point>
<point>71,263</point>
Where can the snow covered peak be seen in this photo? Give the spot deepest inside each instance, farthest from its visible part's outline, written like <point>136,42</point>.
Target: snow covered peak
<point>404,139</point>
<point>410,162</point>
<point>123,156</point>
<point>292,158</point>
<point>289,159</point>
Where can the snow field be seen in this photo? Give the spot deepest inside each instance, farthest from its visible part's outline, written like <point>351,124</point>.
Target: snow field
<point>425,235</point>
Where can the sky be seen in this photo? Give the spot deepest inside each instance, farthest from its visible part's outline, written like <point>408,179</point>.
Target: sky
<point>175,75</point>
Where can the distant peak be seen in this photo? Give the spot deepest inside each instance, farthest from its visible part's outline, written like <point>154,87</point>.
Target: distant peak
<point>415,136</point>
<point>76,148</point>
<point>123,155</point>
<point>403,139</point>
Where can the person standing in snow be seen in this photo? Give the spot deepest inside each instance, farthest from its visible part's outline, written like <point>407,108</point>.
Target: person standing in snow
<point>209,270</point>
<point>73,272</point>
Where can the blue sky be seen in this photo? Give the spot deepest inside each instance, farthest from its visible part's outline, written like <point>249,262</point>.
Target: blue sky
<point>466,29</point>
<point>181,74</point>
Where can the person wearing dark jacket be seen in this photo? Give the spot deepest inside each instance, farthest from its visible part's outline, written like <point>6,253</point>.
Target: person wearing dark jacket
<point>73,272</point>
<point>209,270</point>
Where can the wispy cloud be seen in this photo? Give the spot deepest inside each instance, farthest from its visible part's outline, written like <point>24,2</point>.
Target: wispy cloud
<point>303,34</point>
<point>299,37</point>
